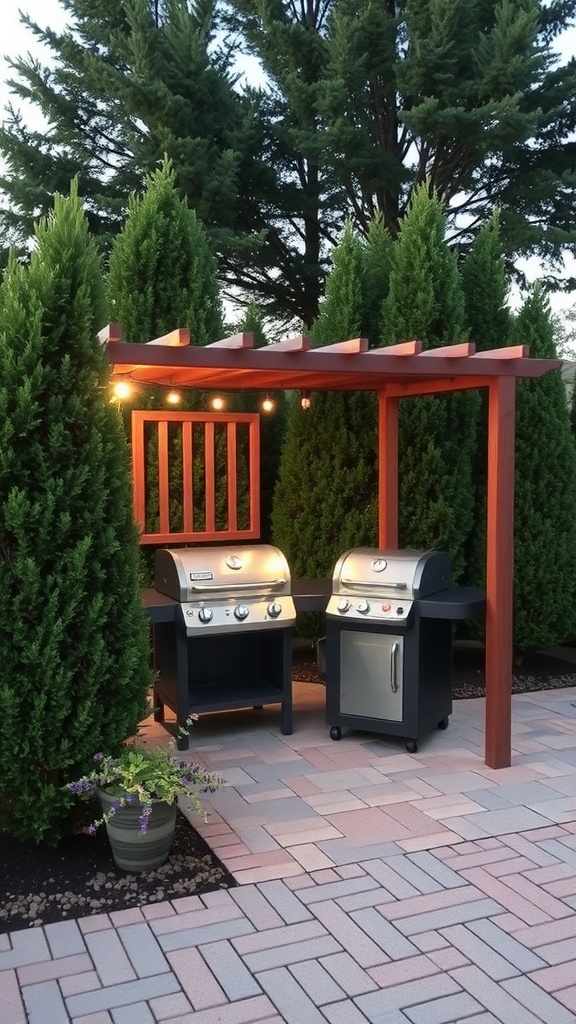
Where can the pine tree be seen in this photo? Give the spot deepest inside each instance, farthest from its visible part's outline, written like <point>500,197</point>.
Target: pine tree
<point>73,636</point>
<point>485,286</point>
<point>437,434</point>
<point>545,483</point>
<point>361,103</point>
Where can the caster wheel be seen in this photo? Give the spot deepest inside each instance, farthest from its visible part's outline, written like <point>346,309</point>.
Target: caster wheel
<point>335,732</point>
<point>444,723</point>
<point>412,746</point>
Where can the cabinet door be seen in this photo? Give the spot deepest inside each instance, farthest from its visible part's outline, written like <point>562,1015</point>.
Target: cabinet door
<point>371,675</point>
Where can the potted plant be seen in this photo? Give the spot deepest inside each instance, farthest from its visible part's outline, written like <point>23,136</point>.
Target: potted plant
<point>138,793</point>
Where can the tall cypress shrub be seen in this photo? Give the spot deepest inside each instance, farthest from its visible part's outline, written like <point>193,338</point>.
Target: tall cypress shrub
<point>545,482</point>
<point>437,434</point>
<point>73,636</point>
<point>161,276</point>
<point>485,287</point>
<point>324,500</point>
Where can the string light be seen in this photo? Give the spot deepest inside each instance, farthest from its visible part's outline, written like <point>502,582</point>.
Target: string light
<point>267,404</point>
<point>305,399</point>
<point>173,397</point>
<point>218,403</point>
<point>122,390</point>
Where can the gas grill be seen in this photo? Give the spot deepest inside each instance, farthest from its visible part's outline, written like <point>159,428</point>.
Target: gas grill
<point>230,645</point>
<point>389,641</point>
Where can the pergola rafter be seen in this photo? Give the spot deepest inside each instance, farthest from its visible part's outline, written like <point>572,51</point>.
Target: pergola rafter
<point>402,370</point>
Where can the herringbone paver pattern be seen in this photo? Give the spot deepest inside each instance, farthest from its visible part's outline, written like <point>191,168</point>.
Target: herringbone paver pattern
<point>377,887</point>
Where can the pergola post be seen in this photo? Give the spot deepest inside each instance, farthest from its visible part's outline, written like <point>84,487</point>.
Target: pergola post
<point>387,471</point>
<point>499,571</point>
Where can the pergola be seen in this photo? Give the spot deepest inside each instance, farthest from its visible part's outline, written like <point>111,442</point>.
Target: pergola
<point>395,372</point>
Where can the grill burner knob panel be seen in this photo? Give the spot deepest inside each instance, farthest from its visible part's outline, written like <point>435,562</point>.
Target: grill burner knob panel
<point>363,607</point>
<point>274,610</point>
<point>205,614</point>
<point>241,612</point>
<point>343,605</point>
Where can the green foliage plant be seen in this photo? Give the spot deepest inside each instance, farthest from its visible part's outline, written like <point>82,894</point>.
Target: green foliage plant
<point>74,645</point>
<point>143,774</point>
<point>437,434</point>
<point>545,493</point>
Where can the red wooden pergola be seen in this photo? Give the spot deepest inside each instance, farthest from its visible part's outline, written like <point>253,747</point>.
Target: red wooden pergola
<point>395,372</point>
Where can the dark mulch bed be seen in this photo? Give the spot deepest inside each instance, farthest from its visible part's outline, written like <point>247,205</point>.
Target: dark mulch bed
<point>40,885</point>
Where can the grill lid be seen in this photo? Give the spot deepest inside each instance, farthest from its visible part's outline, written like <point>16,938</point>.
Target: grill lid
<point>374,584</point>
<point>199,574</point>
<point>409,574</point>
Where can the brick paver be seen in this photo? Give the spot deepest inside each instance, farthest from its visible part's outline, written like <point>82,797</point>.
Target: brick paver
<point>336,922</point>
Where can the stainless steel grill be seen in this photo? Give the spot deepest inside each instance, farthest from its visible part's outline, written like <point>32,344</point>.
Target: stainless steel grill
<point>389,641</point>
<point>225,589</point>
<point>230,645</point>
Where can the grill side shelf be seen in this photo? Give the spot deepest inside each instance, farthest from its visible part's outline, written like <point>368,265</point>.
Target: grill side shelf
<point>454,603</point>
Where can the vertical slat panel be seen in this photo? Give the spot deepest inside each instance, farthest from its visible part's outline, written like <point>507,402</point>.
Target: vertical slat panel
<point>231,476</point>
<point>210,477</point>
<point>387,471</point>
<point>139,470</point>
<point>500,571</point>
<point>254,476</point>
<point>161,421</point>
<point>187,478</point>
<point>163,477</point>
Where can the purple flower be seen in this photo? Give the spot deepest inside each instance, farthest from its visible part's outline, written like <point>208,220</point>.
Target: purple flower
<point>98,757</point>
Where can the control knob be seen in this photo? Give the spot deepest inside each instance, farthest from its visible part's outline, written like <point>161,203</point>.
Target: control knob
<point>205,614</point>
<point>363,607</point>
<point>343,604</point>
<point>274,610</point>
<point>241,612</point>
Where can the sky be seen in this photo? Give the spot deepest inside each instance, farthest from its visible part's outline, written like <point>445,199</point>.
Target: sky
<point>16,40</point>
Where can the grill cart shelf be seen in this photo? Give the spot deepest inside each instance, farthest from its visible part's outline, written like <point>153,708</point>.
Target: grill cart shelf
<point>222,622</point>
<point>388,642</point>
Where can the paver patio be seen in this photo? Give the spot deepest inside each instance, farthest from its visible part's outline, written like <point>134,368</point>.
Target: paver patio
<point>376,886</point>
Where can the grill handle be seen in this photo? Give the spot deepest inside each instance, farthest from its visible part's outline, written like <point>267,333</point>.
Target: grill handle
<point>371,585</point>
<point>393,680</point>
<point>240,586</point>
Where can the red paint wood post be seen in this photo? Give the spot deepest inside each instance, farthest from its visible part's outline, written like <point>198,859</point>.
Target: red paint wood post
<point>387,471</point>
<point>500,571</point>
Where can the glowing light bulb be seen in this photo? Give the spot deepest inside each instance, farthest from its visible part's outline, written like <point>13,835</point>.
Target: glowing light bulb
<point>305,400</point>
<point>267,404</point>
<point>173,397</point>
<point>218,403</point>
<point>122,390</point>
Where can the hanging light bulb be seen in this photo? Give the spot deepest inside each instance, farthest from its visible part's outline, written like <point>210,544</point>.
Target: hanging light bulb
<point>305,399</point>
<point>217,403</point>
<point>122,390</point>
<point>267,404</point>
<point>173,397</point>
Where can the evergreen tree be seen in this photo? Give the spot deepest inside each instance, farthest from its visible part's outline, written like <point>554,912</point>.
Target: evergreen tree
<point>362,102</point>
<point>545,482</point>
<point>324,500</point>
<point>485,292</point>
<point>437,434</point>
<point>73,635</point>
<point>162,274</point>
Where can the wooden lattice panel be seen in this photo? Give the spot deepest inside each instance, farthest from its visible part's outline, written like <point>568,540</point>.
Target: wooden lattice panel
<point>196,476</point>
